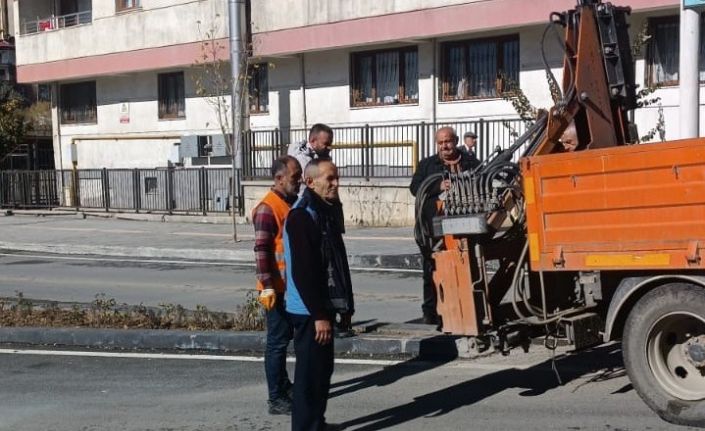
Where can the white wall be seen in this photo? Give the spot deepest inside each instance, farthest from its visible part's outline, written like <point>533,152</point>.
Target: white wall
<point>327,78</point>
<point>269,15</point>
<point>140,91</point>
<point>158,23</point>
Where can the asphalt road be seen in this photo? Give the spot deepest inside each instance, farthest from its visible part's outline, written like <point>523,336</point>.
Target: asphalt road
<point>390,297</point>
<point>515,393</point>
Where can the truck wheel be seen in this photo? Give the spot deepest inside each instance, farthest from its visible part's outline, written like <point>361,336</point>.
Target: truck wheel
<point>664,352</point>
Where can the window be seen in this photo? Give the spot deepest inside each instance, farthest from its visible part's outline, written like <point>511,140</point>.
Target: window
<point>121,5</point>
<point>205,146</point>
<point>78,103</point>
<point>474,69</point>
<point>259,88</point>
<point>171,95</point>
<point>385,77</point>
<point>663,51</point>
<point>150,185</point>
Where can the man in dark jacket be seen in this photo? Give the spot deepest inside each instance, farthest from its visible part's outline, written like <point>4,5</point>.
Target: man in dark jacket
<point>318,286</point>
<point>448,159</point>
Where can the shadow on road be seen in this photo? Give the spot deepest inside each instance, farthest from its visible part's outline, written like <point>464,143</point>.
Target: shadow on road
<point>385,376</point>
<point>536,381</point>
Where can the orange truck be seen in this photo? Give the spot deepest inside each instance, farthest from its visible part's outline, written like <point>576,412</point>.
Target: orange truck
<point>594,243</point>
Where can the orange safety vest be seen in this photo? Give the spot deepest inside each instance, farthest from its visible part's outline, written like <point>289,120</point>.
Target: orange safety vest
<point>280,209</point>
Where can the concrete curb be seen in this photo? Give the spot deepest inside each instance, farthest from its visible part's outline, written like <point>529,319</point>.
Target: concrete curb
<point>151,217</point>
<point>399,262</point>
<point>220,341</point>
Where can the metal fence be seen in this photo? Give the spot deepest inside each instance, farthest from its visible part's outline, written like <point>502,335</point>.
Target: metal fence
<point>28,189</point>
<point>56,22</point>
<point>170,190</point>
<point>386,151</point>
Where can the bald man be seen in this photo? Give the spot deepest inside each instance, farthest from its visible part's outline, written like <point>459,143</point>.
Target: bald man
<point>447,159</point>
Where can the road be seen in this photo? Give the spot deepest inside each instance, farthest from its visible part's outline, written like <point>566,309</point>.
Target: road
<point>391,297</point>
<point>519,392</point>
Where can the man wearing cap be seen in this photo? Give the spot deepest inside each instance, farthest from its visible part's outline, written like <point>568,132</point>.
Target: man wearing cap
<point>469,144</point>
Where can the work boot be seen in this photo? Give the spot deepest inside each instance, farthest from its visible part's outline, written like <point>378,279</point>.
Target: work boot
<point>280,406</point>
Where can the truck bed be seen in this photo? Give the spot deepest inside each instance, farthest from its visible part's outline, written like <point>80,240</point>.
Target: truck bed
<point>628,207</point>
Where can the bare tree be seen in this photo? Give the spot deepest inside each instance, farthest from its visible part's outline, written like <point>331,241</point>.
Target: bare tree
<point>213,82</point>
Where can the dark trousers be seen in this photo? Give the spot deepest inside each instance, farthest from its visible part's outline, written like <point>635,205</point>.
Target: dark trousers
<point>429,288</point>
<point>279,332</point>
<point>314,368</point>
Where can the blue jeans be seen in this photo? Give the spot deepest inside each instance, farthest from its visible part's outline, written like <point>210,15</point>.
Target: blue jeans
<point>279,333</point>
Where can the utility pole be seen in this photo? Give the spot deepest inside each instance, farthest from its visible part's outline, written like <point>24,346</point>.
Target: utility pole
<point>235,14</point>
<point>688,76</point>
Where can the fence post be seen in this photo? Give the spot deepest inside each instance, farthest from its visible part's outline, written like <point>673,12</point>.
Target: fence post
<point>106,189</point>
<point>370,152</point>
<point>136,197</point>
<point>76,188</point>
<point>363,150</point>
<point>202,192</point>
<point>169,189</point>
<point>484,149</point>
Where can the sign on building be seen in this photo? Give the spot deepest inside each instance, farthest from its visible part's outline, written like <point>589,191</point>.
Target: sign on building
<point>124,113</point>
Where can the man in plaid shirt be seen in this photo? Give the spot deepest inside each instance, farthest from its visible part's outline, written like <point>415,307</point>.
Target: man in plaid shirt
<point>268,218</point>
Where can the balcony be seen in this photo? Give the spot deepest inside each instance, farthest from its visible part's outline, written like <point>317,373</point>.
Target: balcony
<point>57,22</point>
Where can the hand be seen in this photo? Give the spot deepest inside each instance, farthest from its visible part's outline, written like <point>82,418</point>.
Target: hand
<point>324,331</point>
<point>445,185</point>
<point>268,299</point>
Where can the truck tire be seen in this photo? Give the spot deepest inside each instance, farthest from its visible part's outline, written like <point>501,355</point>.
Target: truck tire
<point>664,352</point>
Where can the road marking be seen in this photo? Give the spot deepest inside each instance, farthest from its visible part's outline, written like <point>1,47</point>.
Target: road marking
<point>380,238</point>
<point>91,229</point>
<point>189,262</point>
<point>223,235</point>
<point>145,260</point>
<point>184,356</point>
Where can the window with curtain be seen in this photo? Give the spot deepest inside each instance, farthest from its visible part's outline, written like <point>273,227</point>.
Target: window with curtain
<point>258,88</point>
<point>172,103</point>
<point>78,103</point>
<point>479,68</point>
<point>121,5</point>
<point>385,77</point>
<point>662,55</point>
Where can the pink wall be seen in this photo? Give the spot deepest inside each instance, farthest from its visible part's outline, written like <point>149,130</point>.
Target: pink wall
<point>112,64</point>
<point>478,16</point>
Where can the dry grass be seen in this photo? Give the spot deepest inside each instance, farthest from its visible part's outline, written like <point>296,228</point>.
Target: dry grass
<point>104,312</point>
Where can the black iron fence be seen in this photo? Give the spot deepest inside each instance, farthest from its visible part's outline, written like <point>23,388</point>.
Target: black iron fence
<point>170,190</point>
<point>376,150</point>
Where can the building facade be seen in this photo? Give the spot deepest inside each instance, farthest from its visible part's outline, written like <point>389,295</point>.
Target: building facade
<point>124,75</point>
<point>124,78</point>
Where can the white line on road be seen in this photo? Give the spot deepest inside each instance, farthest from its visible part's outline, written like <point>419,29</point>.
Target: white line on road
<point>185,356</point>
<point>90,229</point>
<point>188,262</point>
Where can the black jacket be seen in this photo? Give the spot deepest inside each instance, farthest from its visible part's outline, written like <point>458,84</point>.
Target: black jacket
<point>319,261</point>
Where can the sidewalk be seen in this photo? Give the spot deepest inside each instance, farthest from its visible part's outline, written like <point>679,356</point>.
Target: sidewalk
<point>129,235</point>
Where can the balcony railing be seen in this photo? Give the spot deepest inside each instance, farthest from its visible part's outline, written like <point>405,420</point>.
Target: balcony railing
<point>57,22</point>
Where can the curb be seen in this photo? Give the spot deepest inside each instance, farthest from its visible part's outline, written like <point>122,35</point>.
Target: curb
<point>150,217</point>
<point>221,341</point>
<point>392,262</point>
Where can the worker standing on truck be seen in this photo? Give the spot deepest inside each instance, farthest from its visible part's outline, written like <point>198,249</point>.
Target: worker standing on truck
<point>447,159</point>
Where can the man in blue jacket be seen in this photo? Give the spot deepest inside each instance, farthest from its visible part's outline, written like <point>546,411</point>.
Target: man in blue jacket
<point>318,286</point>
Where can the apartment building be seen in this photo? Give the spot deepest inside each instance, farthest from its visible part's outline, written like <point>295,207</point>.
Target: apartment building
<point>366,62</point>
<point>123,75</point>
<point>123,78</point>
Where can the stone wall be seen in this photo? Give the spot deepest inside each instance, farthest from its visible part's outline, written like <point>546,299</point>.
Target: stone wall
<point>367,203</point>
